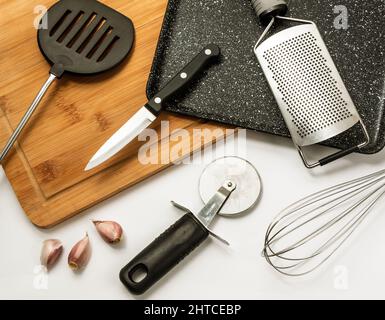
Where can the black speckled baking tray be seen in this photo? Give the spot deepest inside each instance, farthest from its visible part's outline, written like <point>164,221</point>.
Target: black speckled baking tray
<point>235,91</point>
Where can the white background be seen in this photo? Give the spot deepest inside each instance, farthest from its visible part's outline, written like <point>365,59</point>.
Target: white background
<point>213,271</point>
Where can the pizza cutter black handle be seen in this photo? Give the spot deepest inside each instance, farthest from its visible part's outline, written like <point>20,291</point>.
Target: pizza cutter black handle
<point>209,54</point>
<point>163,254</point>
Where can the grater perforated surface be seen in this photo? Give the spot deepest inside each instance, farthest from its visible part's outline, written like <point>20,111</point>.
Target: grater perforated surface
<point>306,84</point>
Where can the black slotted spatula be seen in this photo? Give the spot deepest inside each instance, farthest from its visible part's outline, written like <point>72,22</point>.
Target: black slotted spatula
<point>84,37</point>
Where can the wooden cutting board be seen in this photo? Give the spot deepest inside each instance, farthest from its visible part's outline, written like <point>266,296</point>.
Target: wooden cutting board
<point>46,167</point>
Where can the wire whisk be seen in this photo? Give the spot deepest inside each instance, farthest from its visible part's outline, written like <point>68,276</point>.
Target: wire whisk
<point>306,234</point>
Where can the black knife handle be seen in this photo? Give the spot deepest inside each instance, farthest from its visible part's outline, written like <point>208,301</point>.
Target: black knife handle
<point>164,253</point>
<point>209,54</point>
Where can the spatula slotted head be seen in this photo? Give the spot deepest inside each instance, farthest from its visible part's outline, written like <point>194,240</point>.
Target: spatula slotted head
<point>85,36</point>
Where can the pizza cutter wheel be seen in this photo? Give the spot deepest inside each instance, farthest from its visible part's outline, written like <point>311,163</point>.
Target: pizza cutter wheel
<point>241,172</point>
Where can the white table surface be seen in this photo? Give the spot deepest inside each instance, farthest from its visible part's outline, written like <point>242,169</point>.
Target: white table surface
<point>213,271</point>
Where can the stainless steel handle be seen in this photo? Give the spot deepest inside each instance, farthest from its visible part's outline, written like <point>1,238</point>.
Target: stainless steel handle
<point>26,117</point>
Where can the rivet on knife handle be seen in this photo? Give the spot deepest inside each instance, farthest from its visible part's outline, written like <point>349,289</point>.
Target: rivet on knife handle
<point>184,77</point>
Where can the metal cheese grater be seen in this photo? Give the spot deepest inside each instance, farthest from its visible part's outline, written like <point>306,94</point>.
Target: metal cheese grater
<point>305,82</point>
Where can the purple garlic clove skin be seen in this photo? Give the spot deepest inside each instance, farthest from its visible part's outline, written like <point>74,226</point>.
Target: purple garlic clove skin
<point>50,252</point>
<point>110,231</point>
<point>80,254</point>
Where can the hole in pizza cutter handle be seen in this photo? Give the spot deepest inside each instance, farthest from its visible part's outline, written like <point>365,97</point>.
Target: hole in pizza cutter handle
<point>139,273</point>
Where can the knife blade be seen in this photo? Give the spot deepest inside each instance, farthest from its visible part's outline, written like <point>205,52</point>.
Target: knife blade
<point>151,110</point>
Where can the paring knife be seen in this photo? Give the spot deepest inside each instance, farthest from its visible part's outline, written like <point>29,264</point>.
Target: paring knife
<point>151,110</point>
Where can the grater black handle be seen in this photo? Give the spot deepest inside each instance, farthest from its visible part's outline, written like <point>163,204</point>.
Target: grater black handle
<point>267,9</point>
<point>163,254</point>
<point>338,155</point>
<point>209,54</point>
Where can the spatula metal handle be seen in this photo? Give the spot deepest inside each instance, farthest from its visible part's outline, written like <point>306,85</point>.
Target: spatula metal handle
<point>26,117</point>
<point>164,253</point>
<point>209,54</point>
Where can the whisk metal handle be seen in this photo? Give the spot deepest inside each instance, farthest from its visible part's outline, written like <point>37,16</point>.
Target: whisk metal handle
<point>26,117</point>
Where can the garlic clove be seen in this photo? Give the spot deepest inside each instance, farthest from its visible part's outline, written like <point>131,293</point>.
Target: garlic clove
<point>80,254</point>
<point>110,231</point>
<point>50,252</point>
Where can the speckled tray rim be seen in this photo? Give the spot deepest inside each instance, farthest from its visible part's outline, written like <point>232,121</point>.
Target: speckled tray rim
<point>375,146</point>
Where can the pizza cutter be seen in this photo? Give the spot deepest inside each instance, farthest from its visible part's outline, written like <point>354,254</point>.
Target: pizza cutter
<point>82,38</point>
<point>228,186</point>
